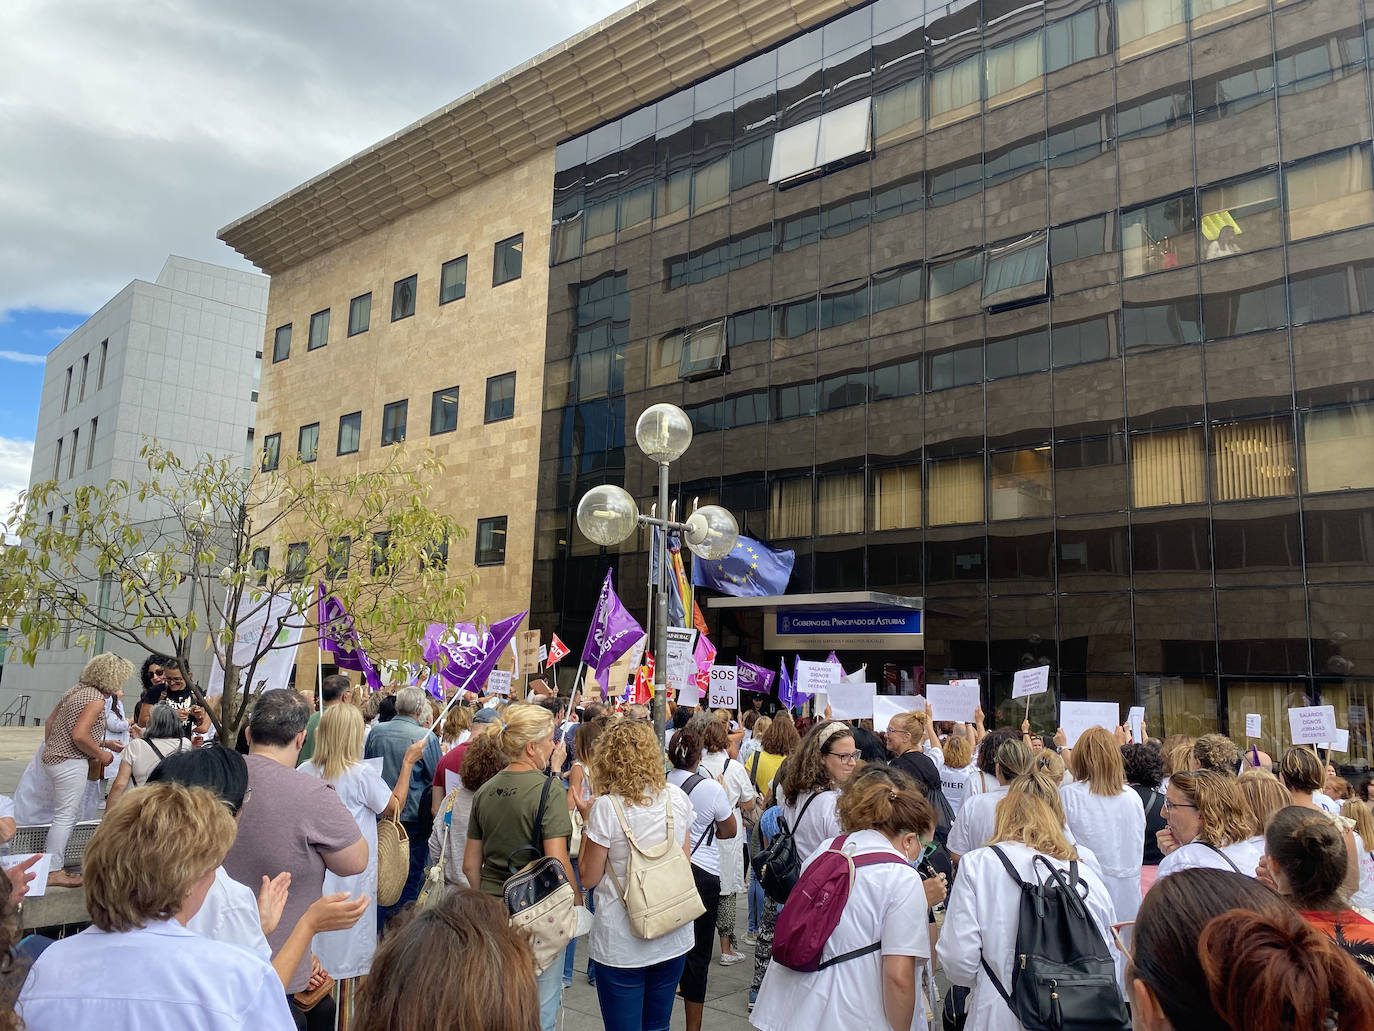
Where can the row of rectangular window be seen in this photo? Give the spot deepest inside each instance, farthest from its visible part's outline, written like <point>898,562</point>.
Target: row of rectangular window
<point>73,450</point>
<point>585,224</point>
<point>453,277</point>
<point>443,418</point>
<point>1232,461</point>
<point>490,550</point>
<point>81,383</point>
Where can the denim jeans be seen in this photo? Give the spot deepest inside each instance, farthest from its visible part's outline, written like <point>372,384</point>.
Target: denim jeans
<point>638,998</point>
<point>570,953</point>
<point>755,904</point>
<point>550,985</point>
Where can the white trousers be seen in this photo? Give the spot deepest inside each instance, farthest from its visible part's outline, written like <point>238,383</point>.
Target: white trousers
<point>68,779</point>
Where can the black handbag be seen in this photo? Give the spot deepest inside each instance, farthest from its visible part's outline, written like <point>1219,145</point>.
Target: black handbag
<point>539,900</point>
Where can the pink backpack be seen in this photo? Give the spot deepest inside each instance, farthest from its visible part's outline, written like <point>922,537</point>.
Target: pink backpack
<point>814,908</point>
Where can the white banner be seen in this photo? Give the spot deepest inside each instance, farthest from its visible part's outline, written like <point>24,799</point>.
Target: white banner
<point>813,677</point>
<point>849,701</point>
<point>723,692</point>
<point>260,619</point>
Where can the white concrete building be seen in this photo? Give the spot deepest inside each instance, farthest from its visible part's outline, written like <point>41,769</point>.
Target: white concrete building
<point>177,360</point>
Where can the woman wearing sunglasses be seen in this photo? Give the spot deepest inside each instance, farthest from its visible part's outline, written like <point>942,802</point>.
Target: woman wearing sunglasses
<point>881,811</point>
<point>1211,949</point>
<point>1206,825</point>
<point>984,905</point>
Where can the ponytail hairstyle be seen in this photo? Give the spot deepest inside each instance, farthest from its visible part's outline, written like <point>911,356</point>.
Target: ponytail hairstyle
<point>1014,758</point>
<point>1301,770</point>
<point>958,752</point>
<point>1044,786</point>
<point>1096,761</point>
<point>1277,971</point>
<point>885,804</point>
<point>1310,850</point>
<point>1024,817</point>
<point>522,725</point>
<point>684,750</point>
<point>1051,763</point>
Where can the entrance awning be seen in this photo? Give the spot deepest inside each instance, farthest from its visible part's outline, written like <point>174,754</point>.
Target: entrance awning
<point>855,620</point>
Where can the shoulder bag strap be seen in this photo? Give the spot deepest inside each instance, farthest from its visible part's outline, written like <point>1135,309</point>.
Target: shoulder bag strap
<point>1229,861</point>
<point>1155,803</point>
<point>155,748</point>
<point>536,842</point>
<point>805,806</point>
<point>754,770</point>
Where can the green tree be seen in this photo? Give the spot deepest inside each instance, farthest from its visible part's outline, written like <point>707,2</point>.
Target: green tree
<point>205,546</point>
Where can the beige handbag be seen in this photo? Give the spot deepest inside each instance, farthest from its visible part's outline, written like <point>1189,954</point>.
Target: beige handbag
<point>393,861</point>
<point>660,894</point>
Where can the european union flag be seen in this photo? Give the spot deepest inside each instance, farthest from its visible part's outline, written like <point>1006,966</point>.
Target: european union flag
<point>750,570</point>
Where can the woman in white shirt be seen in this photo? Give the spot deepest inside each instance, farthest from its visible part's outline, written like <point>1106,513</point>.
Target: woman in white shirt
<point>161,737</point>
<point>116,729</point>
<point>1106,816</point>
<point>1206,825</point>
<point>973,826</point>
<point>982,778</point>
<point>879,989</point>
<point>715,820</point>
<point>731,775</point>
<point>956,765</point>
<point>636,978</point>
<point>149,866</point>
<point>809,794</point>
<point>984,905</point>
<point>358,783</point>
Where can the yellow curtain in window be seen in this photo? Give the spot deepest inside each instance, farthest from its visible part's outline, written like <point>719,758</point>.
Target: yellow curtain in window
<point>1167,468</point>
<point>789,508</point>
<point>840,503</point>
<point>956,491</point>
<point>1253,460</point>
<point>897,497</point>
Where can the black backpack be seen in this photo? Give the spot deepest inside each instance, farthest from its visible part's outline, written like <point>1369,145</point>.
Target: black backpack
<point>1062,976</point>
<point>777,864</point>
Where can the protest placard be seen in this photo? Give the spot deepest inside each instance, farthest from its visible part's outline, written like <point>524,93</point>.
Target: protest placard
<point>723,692</point>
<point>498,682</point>
<point>1312,724</point>
<point>1135,719</point>
<point>1076,717</point>
<point>852,701</point>
<point>1341,742</point>
<point>38,887</point>
<point>1026,682</point>
<point>816,676</point>
<point>1252,724</point>
<point>885,706</point>
<point>956,702</point>
<point>682,666</point>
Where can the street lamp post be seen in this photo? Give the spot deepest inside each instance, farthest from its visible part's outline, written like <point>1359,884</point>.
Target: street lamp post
<point>607,515</point>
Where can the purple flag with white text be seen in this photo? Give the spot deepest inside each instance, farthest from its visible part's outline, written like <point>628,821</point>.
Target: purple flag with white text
<point>750,677</point>
<point>613,632</point>
<point>465,654</point>
<point>337,635</point>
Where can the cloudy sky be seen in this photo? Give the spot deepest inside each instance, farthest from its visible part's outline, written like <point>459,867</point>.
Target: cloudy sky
<point>137,130</point>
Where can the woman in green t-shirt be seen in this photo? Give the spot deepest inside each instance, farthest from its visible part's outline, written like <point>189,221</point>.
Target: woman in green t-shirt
<point>501,826</point>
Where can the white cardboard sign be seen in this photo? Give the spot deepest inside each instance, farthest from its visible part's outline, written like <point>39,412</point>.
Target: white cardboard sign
<point>38,887</point>
<point>852,701</point>
<point>724,690</point>
<point>814,677</point>
<point>955,702</point>
<point>1027,682</point>
<point>1252,724</point>
<point>1312,724</point>
<point>885,706</point>
<point>498,682</point>
<point>1340,743</point>
<point>682,665</point>
<point>1076,717</point>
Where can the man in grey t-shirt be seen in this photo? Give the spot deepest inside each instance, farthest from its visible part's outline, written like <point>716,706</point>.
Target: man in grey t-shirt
<point>294,822</point>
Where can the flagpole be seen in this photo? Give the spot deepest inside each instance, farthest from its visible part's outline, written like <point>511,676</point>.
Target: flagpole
<point>319,678</point>
<point>456,695</point>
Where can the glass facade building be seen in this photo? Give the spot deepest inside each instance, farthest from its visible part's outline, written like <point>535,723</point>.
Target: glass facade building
<point>1057,315</point>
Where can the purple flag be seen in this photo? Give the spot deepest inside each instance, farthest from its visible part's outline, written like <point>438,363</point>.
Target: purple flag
<point>753,678</point>
<point>464,654</point>
<point>613,632</point>
<point>337,635</point>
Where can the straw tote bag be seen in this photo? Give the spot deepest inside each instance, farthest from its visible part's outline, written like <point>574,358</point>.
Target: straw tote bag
<point>393,861</point>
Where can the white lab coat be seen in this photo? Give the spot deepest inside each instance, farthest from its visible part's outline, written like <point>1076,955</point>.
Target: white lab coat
<point>738,790</point>
<point>116,729</point>
<point>1194,855</point>
<point>1113,826</point>
<point>973,825</point>
<point>35,801</point>
<point>981,922</point>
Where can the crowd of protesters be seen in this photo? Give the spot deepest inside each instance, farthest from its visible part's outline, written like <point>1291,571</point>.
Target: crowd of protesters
<point>237,887</point>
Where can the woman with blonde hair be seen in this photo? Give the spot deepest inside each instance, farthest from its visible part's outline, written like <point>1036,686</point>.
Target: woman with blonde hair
<point>503,821</point>
<point>1358,814</point>
<point>956,765</point>
<point>337,760</point>
<point>983,913</point>
<point>1107,816</point>
<point>974,824</point>
<point>778,742</point>
<point>636,978</point>
<point>74,740</point>
<point>1206,825</point>
<point>880,988</point>
<point>149,866</point>
<point>457,726</point>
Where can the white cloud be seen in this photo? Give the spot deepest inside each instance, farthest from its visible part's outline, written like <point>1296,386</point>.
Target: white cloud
<point>23,357</point>
<point>16,461</point>
<point>147,127</point>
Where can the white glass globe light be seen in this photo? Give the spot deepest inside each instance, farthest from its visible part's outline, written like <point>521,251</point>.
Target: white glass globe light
<point>607,515</point>
<point>663,432</point>
<point>711,532</point>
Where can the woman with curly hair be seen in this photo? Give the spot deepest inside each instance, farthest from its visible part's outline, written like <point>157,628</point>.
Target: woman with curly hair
<point>1206,825</point>
<point>636,978</point>
<point>1144,768</point>
<point>808,803</point>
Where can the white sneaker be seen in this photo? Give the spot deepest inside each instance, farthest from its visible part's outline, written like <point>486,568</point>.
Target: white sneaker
<point>729,959</point>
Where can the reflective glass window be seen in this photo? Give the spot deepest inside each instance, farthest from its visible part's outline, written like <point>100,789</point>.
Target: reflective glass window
<point>1329,192</point>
